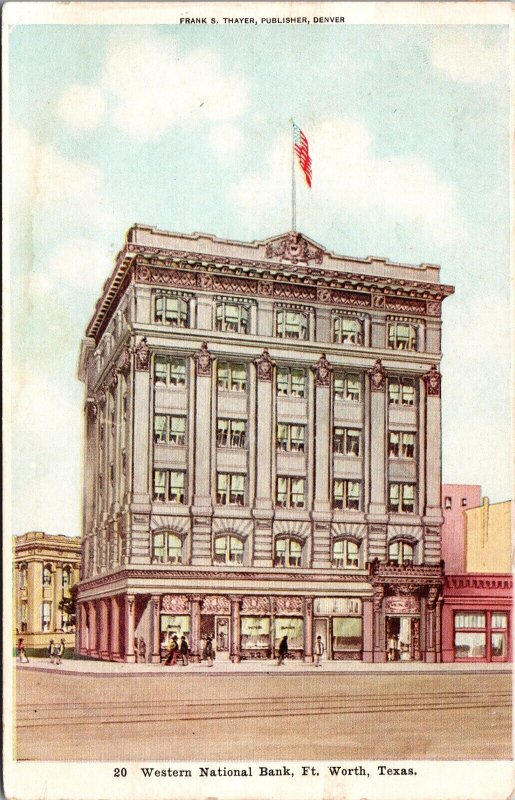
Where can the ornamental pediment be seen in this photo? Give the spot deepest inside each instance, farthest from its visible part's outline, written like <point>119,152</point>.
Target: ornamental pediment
<point>295,248</point>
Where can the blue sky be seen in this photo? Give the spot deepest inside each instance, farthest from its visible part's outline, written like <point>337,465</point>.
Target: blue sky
<point>186,128</point>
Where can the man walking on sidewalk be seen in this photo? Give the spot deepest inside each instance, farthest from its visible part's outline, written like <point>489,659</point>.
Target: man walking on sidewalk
<point>283,651</point>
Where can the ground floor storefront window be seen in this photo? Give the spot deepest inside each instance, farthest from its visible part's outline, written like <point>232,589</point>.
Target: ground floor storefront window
<point>480,635</point>
<point>255,635</point>
<point>347,634</point>
<point>293,628</point>
<point>339,624</point>
<point>173,625</point>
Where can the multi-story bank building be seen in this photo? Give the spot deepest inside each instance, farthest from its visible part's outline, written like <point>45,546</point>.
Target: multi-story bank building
<point>262,452</point>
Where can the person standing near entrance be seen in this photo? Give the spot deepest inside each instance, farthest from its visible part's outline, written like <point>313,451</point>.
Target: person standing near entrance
<point>173,651</point>
<point>208,651</point>
<point>283,650</point>
<point>184,651</point>
<point>393,647</point>
<point>60,651</point>
<point>319,651</point>
<point>50,651</point>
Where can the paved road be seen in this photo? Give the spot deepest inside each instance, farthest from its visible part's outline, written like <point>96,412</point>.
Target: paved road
<point>66,716</point>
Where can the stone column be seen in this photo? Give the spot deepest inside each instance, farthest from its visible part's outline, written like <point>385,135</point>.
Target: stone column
<point>368,630</point>
<point>377,436</point>
<point>379,643</point>
<point>130,613</point>
<point>308,630</point>
<point>92,628</point>
<point>439,629</point>
<point>114,639</point>
<point>202,507</point>
<point>155,655</point>
<point>265,421</point>
<point>57,578</point>
<point>433,469</point>
<point>81,628</point>
<point>141,449</point>
<point>321,555</point>
<point>104,629</point>
<point>34,596</point>
<point>236,629</point>
<point>431,625</point>
<point>195,605</point>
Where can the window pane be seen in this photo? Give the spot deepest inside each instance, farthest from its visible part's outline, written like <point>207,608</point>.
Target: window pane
<point>282,380</point>
<point>160,428</point>
<point>469,621</point>
<point>353,388</point>
<point>177,372</point>
<point>499,620</point>
<point>298,380</point>
<point>160,370</point>
<point>499,645</point>
<point>469,645</point>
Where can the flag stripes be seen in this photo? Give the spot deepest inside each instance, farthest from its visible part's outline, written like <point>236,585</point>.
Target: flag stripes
<point>301,147</point>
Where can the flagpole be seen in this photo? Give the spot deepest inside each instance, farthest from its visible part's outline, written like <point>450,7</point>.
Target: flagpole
<point>293,197</point>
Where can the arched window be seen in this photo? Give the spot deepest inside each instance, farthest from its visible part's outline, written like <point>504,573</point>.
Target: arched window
<point>166,548</point>
<point>66,579</point>
<point>347,330</point>
<point>23,576</point>
<point>346,554</point>
<point>401,552</point>
<point>47,575</point>
<point>288,553</point>
<point>228,550</point>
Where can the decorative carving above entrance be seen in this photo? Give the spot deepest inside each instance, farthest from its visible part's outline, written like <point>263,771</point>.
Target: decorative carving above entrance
<point>402,605</point>
<point>288,605</point>
<point>175,603</point>
<point>259,604</point>
<point>294,248</point>
<point>216,604</point>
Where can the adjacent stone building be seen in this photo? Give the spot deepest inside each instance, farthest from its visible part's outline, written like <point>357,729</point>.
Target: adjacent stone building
<point>262,452</point>
<point>46,567</point>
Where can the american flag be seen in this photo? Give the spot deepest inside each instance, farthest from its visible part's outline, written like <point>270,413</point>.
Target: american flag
<point>301,147</point>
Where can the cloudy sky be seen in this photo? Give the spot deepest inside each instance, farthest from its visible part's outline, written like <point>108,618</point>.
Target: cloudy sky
<point>186,128</point>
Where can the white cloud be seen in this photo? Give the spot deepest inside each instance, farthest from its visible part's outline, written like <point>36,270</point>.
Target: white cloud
<point>156,87</point>
<point>47,183</point>
<point>225,140</point>
<point>468,55</point>
<point>79,263</point>
<point>349,178</point>
<point>82,107</point>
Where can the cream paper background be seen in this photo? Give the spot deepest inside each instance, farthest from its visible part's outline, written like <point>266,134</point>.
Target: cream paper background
<point>447,780</point>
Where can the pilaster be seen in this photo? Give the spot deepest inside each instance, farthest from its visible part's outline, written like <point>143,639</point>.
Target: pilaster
<point>377,438</point>
<point>202,507</point>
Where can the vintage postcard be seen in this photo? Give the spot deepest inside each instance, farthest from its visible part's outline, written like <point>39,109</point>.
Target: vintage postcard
<point>257,410</point>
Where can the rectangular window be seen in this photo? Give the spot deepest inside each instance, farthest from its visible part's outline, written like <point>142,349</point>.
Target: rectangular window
<point>401,391</point>
<point>469,645</point>
<point>347,330</point>
<point>347,495</point>
<point>291,382</point>
<point>401,444</point>
<point>402,498</point>
<point>448,503</point>
<point>291,325</point>
<point>402,336</point>
<point>291,438</point>
<point>169,485</point>
<point>46,609</point>
<point>231,433</point>
<point>230,489</point>
<point>347,441</point>
<point>170,371</point>
<point>231,317</point>
<point>347,633</point>
<point>347,386</point>
<point>171,311</point>
<point>169,429</point>
<point>231,377</point>
<point>290,492</point>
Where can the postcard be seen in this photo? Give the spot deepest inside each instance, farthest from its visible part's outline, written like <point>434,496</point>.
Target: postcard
<point>257,408</point>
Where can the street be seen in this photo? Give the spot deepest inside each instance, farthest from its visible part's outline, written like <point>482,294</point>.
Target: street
<point>209,717</point>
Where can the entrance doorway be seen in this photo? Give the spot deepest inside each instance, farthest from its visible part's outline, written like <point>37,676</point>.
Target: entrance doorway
<point>402,638</point>
<point>321,627</point>
<point>222,640</point>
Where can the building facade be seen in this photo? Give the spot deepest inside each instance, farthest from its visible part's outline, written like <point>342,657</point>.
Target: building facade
<point>456,499</point>
<point>488,537</point>
<point>262,452</point>
<point>46,567</point>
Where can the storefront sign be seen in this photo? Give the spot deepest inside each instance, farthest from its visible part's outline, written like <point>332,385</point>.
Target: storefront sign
<point>328,606</point>
<point>402,605</point>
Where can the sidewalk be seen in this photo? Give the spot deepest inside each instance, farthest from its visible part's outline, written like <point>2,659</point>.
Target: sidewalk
<point>290,667</point>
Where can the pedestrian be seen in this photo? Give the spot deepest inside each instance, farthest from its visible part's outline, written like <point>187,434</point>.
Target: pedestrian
<point>60,650</point>
<point>283,650</point>
<point>393,647</point>
<point>208,651</point>
<point>142,650</point>
<point>50,651</point>
<point>184,651</point>
<point>319,651</point>
<point>56,659</point>
<point>20,652</point>
<point>173,651</point>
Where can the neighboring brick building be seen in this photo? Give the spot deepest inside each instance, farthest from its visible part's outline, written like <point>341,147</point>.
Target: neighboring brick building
<point>488,537</point>
<point>456,499</point>
<point>45,568</point>
<point>262,451</point>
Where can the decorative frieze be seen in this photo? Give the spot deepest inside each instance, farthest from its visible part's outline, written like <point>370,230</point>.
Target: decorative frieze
<point>288,605</point>
<point>259,605</point>
<point>216,604</point>
<point>175,603</point>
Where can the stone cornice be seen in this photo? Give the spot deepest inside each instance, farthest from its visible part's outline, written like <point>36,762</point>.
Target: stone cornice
<point>184,269</point>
